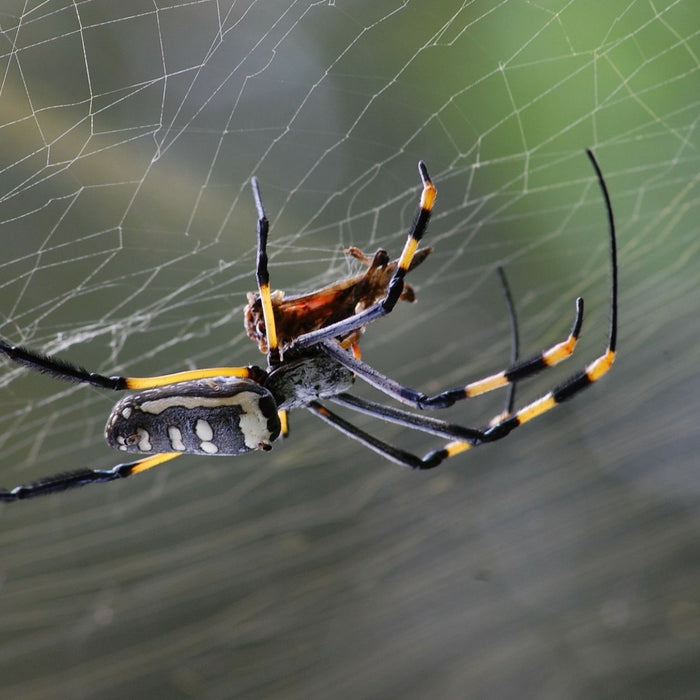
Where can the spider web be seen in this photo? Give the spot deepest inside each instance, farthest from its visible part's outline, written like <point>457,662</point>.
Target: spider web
<point>130,133</point>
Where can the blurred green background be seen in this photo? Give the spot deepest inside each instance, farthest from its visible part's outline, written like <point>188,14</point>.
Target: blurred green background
<point>562,562</point>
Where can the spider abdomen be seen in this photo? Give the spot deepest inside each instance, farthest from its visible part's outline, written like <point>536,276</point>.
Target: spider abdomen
<point>220,416</point>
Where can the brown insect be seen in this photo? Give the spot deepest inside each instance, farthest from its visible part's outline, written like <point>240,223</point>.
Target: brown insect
<point>302,313</point>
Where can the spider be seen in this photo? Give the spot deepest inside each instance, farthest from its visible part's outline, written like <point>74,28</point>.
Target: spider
<point>231,410</point>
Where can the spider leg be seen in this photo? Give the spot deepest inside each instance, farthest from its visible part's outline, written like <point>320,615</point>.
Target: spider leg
<point>516,372</point>
<point>263,279</point>
<point>514,342</point>
<point>558,352</point>
<point>417,399</point>
<point>56,367</point>
<point>566,390</point>
<point>284,422</point>
<point>393,454</point>
<point>414,421</point>
<point>82,477</point>
<point>396,285</point>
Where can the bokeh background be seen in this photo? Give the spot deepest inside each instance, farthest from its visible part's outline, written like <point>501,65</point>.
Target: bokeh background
<point>562,562</point>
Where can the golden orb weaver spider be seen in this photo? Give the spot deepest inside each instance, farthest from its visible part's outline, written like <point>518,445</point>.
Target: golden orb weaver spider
<point>231,410</point>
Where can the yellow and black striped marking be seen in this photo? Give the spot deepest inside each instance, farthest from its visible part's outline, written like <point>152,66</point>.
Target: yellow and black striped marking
<point>263,278</point>
<point>517,372</point>
<point>505,425</point>
<point>420,224</point>
<point>55,366</point>
<point>82,477</point>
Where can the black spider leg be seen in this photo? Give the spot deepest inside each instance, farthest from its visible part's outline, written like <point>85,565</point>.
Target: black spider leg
<point>54,366</point>
<point>514,343</point>
<point>60,369</point>
<point>396,284</point>
<point>262,277</point>
<point>62,482</point>
<point>414,421</point>
<point>417,399</point>
<point>393,454</point>
<point>82,477</point>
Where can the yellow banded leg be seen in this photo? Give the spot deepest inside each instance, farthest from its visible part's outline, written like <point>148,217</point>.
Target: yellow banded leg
<point>501,426</point>
<point>149,462</point>
<point>553,356</point>
<point>284,422</point>
<point>61,369</point>
<point>82,477</point>
<point>572,386</point>
<point>270,326</point>
<point>449,450</point>
<point>135,383</point>
<point>263,278</point>
<point>427,200</point>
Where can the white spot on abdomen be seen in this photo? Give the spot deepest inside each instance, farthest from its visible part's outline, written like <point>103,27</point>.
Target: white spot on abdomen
<point>205,433</point>
<point>175,435</point>
<point>203,430</point>
<point>144,440</point>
